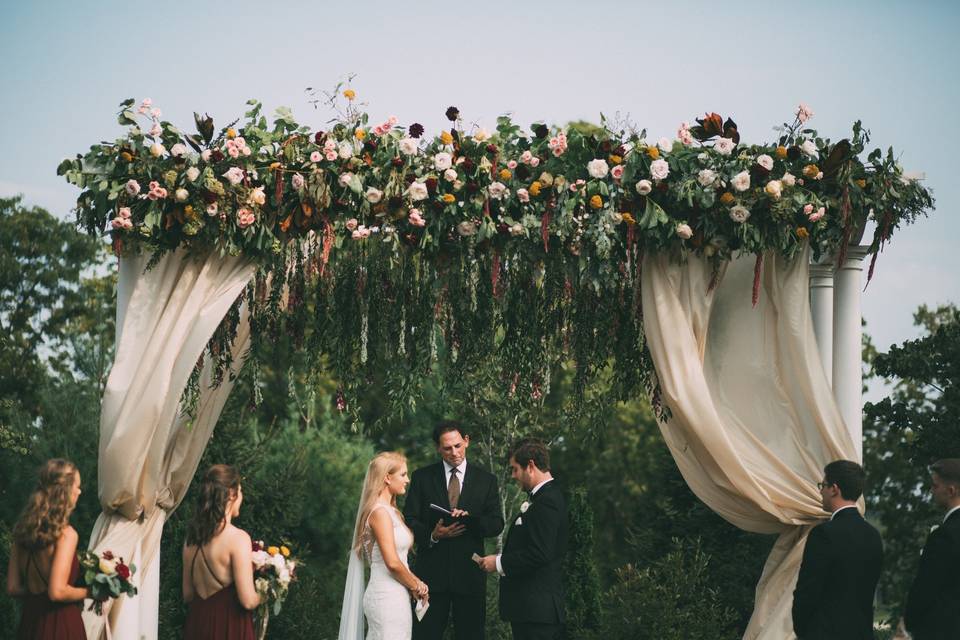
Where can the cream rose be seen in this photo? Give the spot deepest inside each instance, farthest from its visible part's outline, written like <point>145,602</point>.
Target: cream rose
<point>659,169</point>
<point>765,161</point>
<point>739,214</point>
<point>598,168</point>
<point>741,181</point>
<point>684,231</point>
<point>644,187</point>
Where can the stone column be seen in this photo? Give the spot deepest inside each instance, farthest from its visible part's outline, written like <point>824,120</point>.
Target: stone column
<point>821,308</point>
<point>847,338</point>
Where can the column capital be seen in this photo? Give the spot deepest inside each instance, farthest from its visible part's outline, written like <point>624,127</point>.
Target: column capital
<point>855,256</point>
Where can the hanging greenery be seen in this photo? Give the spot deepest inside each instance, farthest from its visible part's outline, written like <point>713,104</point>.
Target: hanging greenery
<point>382,252</point>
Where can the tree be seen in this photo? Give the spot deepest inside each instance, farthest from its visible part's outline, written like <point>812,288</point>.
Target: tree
<point>918,423</point>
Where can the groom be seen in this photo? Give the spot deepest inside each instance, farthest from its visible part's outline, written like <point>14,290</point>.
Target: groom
<point>531,565</point>
<point>446,543</point>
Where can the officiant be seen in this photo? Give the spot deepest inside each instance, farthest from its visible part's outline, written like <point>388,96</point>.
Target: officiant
<point>445,542</point>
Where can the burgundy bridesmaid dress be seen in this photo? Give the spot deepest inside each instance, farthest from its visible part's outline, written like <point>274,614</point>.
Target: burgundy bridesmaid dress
<point>43,619</point>
<point>220,616</point>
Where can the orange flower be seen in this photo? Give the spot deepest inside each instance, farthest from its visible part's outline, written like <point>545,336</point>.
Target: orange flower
<point>802,233</point>
<point>861,183</point>
<point>535,188</point>
<point>653,152</point>
<point>126,156</point>
<point>811,171</point>
<point>727,198</point>
<point>449,198</point>
<point>446,138</point>
<point>615,159</point>
<point>505,174</point>
<point>781,152</point>
<point>359,133</point>
<point>349,94</point>
<point>628,218</point>
<point>273,550</point>
<point>596,202</point>
<point>286,223</point>
<point>274,165</point>
<point>231,133</point>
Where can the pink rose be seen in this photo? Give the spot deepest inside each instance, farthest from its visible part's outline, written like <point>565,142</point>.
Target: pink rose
<point>315,157</point>
<point>351,224</point>
<point>124,212</point>
<point>813,217</point>
<point>297,180</point>
<point>245,218</point>
<point>512,164</point>
<point>415,218</point>
<point>617,172</point>
<point>523,195</point>
<point>807,209</point>
<point>331,155</point>
<point>534,161</point>
<point>525,157</point>
<point>132,187</point>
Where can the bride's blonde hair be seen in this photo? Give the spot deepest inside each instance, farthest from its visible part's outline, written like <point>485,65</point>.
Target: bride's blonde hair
<point>382,465</point>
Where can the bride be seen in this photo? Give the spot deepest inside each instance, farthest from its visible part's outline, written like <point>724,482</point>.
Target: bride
<point>381,538</point>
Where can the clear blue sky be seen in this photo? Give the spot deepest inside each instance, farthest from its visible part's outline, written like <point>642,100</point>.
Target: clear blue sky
<point>64,66</point>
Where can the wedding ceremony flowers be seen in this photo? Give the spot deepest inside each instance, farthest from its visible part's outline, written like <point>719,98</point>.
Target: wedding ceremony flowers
<point>274,568</point>
<point>107,577</point>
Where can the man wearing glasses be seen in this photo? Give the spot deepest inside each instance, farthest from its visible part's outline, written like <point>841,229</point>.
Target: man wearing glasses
<point>841,564</point>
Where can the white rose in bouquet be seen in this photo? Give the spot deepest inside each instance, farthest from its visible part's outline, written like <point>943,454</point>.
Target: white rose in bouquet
<point>442,161</point>
<point>598,168</point>
<point>741,181</point>
<point>659,169</point>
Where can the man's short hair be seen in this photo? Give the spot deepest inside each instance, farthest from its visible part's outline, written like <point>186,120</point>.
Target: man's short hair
<point>528,449</point>
<point>848,476</point>
<point>948,469</point>
<point>446,426</point>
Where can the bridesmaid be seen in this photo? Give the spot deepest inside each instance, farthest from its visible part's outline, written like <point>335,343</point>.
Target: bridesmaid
<point>217,563</point>
<point>44,569</point>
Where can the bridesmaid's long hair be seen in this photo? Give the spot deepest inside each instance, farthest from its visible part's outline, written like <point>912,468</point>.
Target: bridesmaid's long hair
<point>48,508</point>
<point>382,465</point>
<point>220,483</point>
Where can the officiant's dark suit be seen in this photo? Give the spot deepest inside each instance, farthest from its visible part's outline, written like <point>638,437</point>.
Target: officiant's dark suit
<point>445,564</point>
<point>840,569</point>
<point>933,606</point>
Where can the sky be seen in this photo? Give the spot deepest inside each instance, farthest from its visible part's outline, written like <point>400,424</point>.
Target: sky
<point>65,66</point>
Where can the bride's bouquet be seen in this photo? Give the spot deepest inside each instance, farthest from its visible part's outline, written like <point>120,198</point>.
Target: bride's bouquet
<point>107,576</point>
<point>273,570</point>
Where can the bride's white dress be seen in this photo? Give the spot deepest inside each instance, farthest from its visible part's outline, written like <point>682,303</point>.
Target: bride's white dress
<point>386,602</point>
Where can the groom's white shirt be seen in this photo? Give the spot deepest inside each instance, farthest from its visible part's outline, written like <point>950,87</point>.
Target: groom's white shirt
<point>849,506</point>
<point>461,472</point>
<point>950,513</point>
<point>532,493</point>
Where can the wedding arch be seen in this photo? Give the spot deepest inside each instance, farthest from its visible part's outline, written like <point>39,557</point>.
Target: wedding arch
<point>685,265</point>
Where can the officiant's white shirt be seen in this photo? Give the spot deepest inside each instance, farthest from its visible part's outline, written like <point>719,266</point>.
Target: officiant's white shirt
<point>532,493</point>
<point>461,472</point>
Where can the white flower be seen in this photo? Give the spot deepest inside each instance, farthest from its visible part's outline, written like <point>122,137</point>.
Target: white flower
<point>739,214</point>
<point>773,189</point>
<point>598,168</point>
<point>192,174</point>
<point>616,217</point>
<point>497,190</point>
<point>684,231</point>
<point>442,161</point>
<point>205,155</point>
<point>523,195</point>
<point>481,135</point>
<point>418,191</point>
<point>278,562</point>
<point>741,181</point>
<point>809,148</point>
<point>258,197</point>
<point>108,567</point>
<point>517,229</point>
<point>345,179</point>
<point>297,181</point>
<point>450,175</point>
<point>408,146</point>
<point>706,177</point>
<point>155,130</point>
<point>374,195</point>
<point>524,506</point>
<point>178,150</point>
<point>765,161</point>
<point>259,558</point>
<point>181,195</point>
<point>659,169</point>
<point>234,175</point>
<point>804,113</point>
<point>157,149</point>
<point>132,187</point>
<point>724,146</point>
<point>644,187</point>
<point>466,228</point>
<point>345,150</point>
<point>788,179</point>
<point>284,577</point>
<point>212,209</point>
<point>665,144</point>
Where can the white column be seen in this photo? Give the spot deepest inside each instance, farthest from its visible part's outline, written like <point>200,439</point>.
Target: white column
<point>821,308</point>
<point>847,337</point>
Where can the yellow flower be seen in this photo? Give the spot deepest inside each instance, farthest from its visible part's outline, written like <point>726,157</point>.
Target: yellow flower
<point>596,202</point>
<point>811,171</point>
<point>274,165</point>
<point>446,138</point>
<point>231,133</point>
<point>126,156</point>
<point>273,551</point>
<point>349,94</point>
<point>505,174</point>
<point>615,159</point>
<point>727,198</point>
<point>449,198</point>
<point>284,551</point>
<point>359,133</point>
<point>781,152</point>
<point>189,212</point>
<point>535,188</point>
<point>653,152</point>
<point>802,233</point>
<point>861,183</point>
<point>628,218</point>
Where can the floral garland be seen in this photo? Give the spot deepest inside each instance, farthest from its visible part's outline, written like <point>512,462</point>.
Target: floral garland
<point>545,228</point>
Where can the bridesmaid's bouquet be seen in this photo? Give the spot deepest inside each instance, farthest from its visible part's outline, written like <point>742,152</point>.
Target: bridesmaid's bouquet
<point>107,576</point>
<point>274,568</point>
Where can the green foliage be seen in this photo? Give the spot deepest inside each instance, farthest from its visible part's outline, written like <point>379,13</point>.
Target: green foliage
<point>917,424</point>
<point>675,598</point>
<point>580,570</point>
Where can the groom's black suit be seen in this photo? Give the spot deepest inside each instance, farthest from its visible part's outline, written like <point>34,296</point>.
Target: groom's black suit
<point>446,566</point>
<point>933,608</point>
<point>531,590</point>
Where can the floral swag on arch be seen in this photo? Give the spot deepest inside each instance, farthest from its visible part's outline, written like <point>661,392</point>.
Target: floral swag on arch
<point>524,247</point>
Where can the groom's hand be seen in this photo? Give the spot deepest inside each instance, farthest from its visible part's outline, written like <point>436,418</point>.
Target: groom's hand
<point>488,563</point>
<point>451,531</point>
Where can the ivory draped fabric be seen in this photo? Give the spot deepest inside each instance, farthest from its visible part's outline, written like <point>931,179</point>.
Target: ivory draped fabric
<point>753,419</point>
<point>149,449</point>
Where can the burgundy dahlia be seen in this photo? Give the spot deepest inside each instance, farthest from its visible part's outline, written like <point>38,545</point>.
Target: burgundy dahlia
<point>540,130</point>
<point>452,114</point>
<point>416,130</point>
<point>216,155</point>
<point>319,136</point>
<point>491,148</point>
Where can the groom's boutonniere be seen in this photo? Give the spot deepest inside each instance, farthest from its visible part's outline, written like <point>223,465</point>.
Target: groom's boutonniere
<point>523,509</point>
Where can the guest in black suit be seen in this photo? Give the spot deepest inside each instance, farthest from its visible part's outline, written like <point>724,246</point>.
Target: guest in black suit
<point>933,606</point>
<point>841,564</point>
<point>446,544</point>
<point>531,565</point>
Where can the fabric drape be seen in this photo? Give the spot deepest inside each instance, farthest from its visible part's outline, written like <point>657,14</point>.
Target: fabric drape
<point>753,419</point>
<point>149,448</point>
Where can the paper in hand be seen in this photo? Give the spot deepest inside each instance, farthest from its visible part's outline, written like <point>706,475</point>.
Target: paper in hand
<point>476,558</point>
<point>421,609</point>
